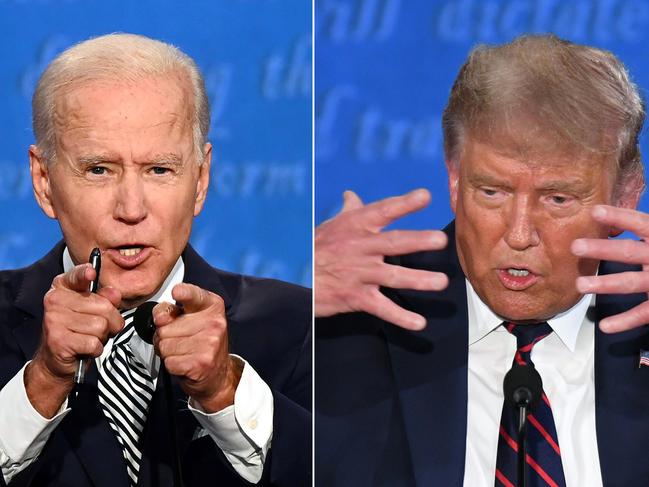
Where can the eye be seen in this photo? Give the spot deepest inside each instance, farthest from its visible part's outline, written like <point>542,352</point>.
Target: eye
<point>490,192</point>
<point>560,200</point>
<point>97,170</point>
<point>159,170</point>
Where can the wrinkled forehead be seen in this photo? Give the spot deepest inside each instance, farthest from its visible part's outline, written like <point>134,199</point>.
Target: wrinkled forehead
<point>528,138</point>
<point>156,99</point>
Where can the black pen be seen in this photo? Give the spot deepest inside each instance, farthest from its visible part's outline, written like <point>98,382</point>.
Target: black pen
<point>95,262</point>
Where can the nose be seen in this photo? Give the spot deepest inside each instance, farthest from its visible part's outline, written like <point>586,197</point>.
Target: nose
<point>521,230</point>
<point>130,202</point>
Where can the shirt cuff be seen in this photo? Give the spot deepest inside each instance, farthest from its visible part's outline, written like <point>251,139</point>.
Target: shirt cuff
<point>244,430</point>
<point>23,431</point>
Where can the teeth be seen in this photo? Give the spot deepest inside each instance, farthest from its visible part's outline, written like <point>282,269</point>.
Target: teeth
<point>130,252</point>
<point>517,272</point>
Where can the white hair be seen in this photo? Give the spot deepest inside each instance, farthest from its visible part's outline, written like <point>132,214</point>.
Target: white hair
<point>120,57</point>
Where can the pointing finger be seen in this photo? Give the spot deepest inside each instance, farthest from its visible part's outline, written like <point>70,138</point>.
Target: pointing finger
<point>194,298</point>
<point>76,279</point>
<point>164,313</point>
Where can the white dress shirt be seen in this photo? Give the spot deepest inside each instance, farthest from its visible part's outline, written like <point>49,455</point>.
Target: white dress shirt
<point>565,361</point>
<point>242,431</point>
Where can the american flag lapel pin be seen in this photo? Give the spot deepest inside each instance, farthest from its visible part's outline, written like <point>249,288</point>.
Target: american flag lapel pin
<point>644,358</point>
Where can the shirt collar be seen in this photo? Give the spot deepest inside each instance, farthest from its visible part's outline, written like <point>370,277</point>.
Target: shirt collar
<point>482,320</point>
<point>164,292</point>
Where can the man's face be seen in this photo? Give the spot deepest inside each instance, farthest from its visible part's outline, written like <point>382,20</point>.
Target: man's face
<point>515,223</point>
<point>125,179</point>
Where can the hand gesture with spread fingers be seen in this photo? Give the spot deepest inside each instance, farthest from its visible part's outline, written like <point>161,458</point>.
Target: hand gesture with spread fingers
<point>619,250</point>
<point>349,264</point>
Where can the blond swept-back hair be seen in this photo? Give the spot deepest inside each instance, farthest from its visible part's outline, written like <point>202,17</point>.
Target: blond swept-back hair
<point>119,57</point>
<point>542,93</point>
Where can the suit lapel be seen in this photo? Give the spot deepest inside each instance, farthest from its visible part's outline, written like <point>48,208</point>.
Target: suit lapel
<point>29,298</point>
<point>156,468</point>
<point>85,426</point>
<point>622,397</point>
<point>430,371</point>
<point>91,438</point>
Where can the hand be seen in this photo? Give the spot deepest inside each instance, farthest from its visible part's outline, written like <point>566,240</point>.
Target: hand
<point>193,342</point>
<point>349,256</point>
<point>76,324</point>
<point>623,250</point>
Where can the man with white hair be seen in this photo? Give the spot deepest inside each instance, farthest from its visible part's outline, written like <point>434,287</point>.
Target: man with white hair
<point>122,162</point>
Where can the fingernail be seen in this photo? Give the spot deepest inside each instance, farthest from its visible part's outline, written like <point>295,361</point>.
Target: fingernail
<point>579,247</point>
<point>605,326</point>
<point>599,212</point>
<point>584,284</point>
<point>419,322</point>
<point>420,194</point>
<point>439,239</point>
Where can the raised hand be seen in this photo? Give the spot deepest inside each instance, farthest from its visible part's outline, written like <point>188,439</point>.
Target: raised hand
<point>349,256</point>
<point>76,324</point>
<point>618,250</point>
<point>192,339</point>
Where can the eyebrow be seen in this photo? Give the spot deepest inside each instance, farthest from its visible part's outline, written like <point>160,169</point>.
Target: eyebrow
<point>169,159</point>
<point>487,180</point>
<point>93,159</point>
<point>161,159</point>
<point>561,185</point>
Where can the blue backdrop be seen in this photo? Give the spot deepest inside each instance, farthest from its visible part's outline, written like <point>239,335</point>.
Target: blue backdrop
<point>384,69</point>
<point>256,59</point>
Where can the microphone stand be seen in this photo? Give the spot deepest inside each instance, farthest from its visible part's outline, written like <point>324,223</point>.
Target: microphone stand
<point>522,445</point>
<point>522,389</point>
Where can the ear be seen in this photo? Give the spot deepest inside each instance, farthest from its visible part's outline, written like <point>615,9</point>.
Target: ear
<point>629,197</point>
<point>203,181</point>
<point>453,169</point>
<point>40,173</point>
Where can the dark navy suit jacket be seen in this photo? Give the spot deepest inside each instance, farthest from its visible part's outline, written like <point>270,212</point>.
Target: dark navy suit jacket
<point>391,405</point>
<point>269,324</point>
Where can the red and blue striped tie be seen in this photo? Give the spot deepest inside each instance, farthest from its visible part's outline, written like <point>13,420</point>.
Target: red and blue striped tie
<point>544,467</point>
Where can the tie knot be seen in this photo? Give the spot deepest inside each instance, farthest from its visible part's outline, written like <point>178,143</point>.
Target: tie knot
<point>125,334</point>
<point>526,337</point>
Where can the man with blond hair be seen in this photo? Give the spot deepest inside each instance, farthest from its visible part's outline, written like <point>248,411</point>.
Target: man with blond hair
<point>543,161</point>
<point>122,162</point>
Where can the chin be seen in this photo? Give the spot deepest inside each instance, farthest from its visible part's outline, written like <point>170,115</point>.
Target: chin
<point>523,310</point>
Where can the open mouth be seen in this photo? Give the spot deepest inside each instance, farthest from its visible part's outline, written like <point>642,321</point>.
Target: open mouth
<point>129,256</point>
<point>517,272</point>
<point>517,278</point>
<point>129,251</point>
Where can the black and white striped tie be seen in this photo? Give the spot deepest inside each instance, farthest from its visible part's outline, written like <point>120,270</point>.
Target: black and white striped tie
<point>125,391</point>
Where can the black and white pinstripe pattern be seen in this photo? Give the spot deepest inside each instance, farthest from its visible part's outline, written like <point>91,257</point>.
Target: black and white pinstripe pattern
<point>125,391</point>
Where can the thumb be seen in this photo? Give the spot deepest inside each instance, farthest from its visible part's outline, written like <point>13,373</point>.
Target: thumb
<point>351,201</point>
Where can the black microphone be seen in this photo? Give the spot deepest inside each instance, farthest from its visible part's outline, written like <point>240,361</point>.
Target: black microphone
<point>523,386</point>
<point>143,321</point>
<point>145,328</point>
<point>523,389</point>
